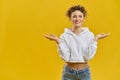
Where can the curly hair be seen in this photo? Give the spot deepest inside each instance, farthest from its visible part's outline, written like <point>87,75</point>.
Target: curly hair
<point>74,8</point>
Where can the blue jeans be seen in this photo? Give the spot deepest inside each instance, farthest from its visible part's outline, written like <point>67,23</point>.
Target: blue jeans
<point>71,74</point>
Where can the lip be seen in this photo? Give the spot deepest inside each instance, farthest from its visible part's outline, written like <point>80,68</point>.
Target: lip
<point>77,22</point>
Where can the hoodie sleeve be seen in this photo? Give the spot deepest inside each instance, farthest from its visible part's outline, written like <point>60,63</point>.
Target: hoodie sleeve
<point>63,49</point>
<point>92,47</point>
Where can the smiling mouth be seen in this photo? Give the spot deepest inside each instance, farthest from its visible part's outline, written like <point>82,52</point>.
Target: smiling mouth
<point>77,22</point>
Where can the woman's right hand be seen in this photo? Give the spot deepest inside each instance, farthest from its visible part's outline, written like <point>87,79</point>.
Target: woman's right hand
<point>52,37</point>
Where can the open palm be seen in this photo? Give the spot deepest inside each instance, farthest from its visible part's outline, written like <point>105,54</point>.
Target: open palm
<point>102,35</point>
<point>51,36</point>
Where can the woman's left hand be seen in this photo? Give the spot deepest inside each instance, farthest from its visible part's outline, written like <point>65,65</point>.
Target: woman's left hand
<point>101,36</point>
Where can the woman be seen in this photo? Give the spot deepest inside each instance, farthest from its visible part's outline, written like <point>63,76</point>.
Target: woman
<point>76,46</point>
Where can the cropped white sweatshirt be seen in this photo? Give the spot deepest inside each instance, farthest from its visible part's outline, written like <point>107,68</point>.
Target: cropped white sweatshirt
<point>77,48</point>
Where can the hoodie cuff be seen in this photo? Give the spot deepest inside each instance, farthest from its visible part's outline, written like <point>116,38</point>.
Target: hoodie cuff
<point>60,45</point>
<point>94,43</point>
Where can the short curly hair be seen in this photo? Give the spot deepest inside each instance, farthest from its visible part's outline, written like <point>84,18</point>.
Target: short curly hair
<point>74,8</point>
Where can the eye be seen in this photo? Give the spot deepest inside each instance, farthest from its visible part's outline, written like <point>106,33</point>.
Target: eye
<point>80,16</point>
<point>74,16</point>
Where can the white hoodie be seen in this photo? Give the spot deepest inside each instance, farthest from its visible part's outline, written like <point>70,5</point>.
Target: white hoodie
<point>77,48</point>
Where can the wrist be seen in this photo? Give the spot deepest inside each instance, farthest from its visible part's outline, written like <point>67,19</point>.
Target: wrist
<point>58,41</point>
<point>96,39</point>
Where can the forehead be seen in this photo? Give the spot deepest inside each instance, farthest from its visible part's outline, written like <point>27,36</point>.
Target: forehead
<point>77,12</point>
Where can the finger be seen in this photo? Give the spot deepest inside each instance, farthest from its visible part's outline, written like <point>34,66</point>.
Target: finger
<point>52,34</point>
<point>108,33</point>
<point>47,36</point>
<point>44,35</point>
<point>105,35</point>
<point>102,33</point>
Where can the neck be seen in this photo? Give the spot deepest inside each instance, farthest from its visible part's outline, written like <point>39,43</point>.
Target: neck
<point>76,30</point>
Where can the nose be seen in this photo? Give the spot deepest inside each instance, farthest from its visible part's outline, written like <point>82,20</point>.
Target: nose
<point>77,18</point>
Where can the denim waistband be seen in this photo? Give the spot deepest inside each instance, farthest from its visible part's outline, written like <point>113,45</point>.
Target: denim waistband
<point>68,69</point>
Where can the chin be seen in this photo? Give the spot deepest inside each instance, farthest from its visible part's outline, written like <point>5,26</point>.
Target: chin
<point>78,25</point>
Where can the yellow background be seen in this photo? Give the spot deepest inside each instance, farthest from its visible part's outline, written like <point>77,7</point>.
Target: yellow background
<point>26,55</point>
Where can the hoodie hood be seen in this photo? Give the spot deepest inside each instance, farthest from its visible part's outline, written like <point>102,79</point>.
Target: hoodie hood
<point>68,31</point>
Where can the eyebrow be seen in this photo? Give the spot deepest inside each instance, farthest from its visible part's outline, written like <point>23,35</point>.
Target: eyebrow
<point>75,15</point>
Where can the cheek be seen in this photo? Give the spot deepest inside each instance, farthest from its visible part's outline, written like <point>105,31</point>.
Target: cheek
<point>82,19</point>
<point>73,20</point>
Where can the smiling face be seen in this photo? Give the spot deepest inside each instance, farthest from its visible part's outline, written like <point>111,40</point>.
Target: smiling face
<point>77,18</point>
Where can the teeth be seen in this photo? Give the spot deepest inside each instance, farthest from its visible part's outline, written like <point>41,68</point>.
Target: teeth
<point>77,22</point>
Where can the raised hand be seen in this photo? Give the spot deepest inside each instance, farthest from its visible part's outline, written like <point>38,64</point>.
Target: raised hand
<point>101,36</point>
<point>52,37</point>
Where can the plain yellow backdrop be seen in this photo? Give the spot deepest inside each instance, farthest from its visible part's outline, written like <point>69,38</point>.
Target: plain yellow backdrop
<point>26,55</point>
